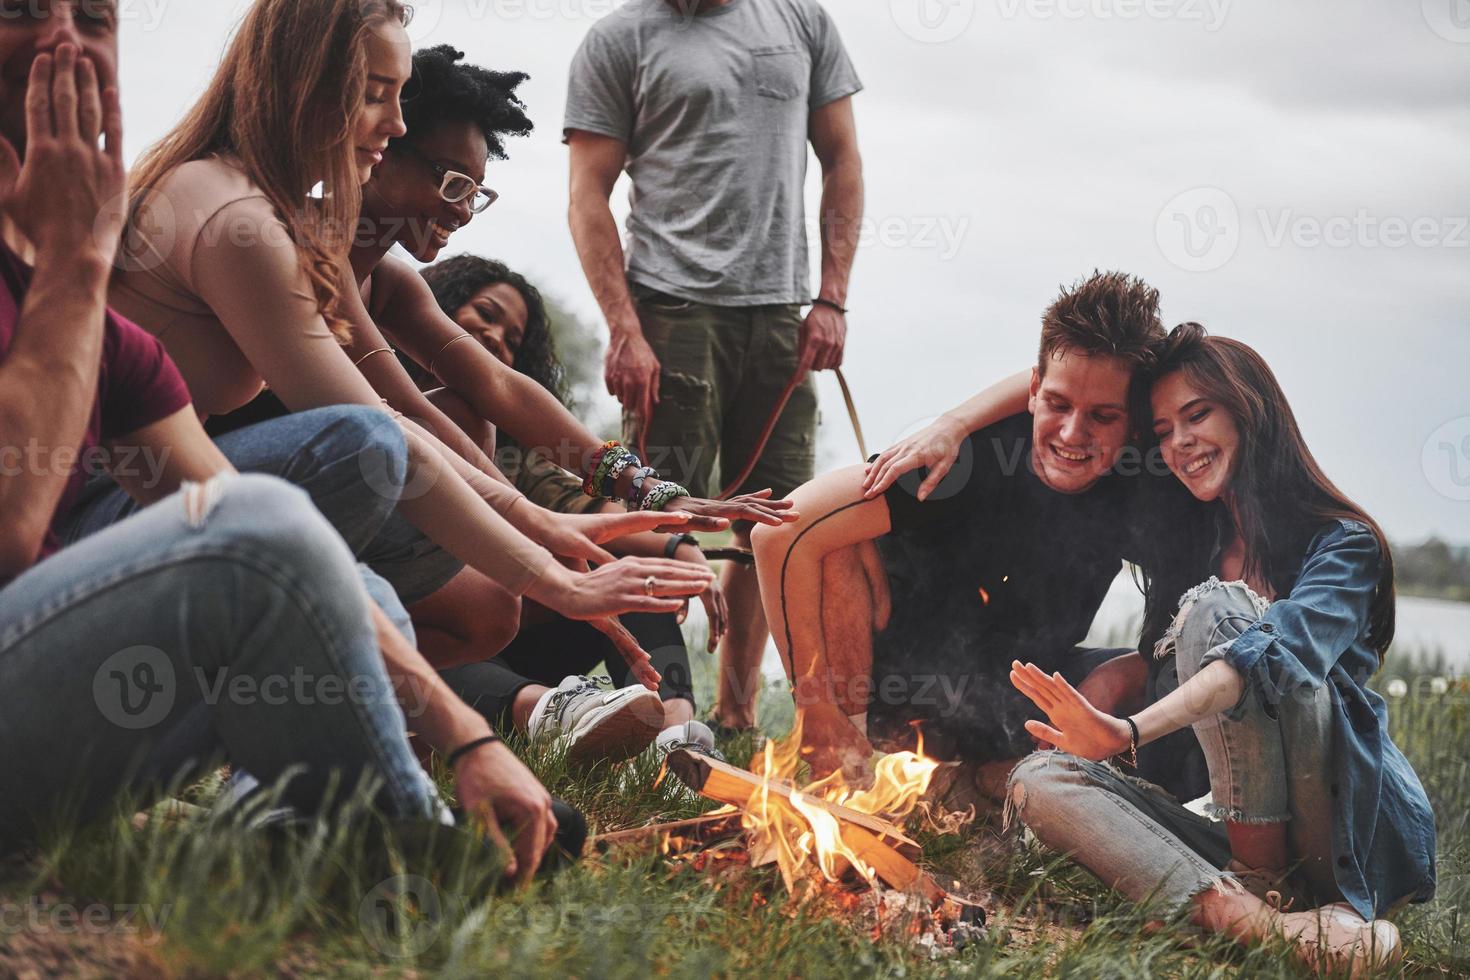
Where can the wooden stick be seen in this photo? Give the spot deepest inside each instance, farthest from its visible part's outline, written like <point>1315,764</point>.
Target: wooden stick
<point>874,840</point>
<point>725,783</point>
<point>708,823</point>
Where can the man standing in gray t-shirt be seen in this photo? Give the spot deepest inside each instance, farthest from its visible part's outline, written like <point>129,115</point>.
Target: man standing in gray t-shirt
<point>709,105</point>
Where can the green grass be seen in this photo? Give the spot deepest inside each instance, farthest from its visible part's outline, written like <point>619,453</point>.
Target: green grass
<point>228,901</point>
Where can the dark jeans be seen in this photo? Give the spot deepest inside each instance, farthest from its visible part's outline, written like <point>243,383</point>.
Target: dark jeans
<point>545,654</point>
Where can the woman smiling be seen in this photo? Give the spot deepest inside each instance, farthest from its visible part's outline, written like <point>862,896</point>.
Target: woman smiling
<point>1287,609</point>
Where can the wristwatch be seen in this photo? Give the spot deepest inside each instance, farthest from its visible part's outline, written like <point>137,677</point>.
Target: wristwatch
<point>677,539</point>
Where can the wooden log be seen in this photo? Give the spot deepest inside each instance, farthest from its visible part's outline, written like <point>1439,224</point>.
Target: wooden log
<point>871,838</point>
<point>705,827</point>
<point>725,783</point>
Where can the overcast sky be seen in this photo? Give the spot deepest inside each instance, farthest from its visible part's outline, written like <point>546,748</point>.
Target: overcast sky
<point>1290,174</point>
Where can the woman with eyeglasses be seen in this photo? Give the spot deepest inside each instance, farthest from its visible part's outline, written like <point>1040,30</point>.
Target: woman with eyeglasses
<point>238,242</point>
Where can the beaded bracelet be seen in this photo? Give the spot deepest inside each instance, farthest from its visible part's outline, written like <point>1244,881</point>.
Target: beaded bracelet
<point>590,486</point>
<point>635,489</point>
<point>615,472</point>
<point>658,498</point>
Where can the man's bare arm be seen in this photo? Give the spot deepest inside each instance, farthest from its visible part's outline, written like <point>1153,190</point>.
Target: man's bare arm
<point>596,163</point>
<point>833,134</point>
<point>62,202</point>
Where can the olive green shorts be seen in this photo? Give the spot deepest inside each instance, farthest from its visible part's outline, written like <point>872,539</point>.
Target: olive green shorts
<point>723,370</point>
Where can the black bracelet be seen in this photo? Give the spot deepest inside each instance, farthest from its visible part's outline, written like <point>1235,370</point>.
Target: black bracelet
<point>830,304</point>
<point>677,539</point>
<point>1132,741</point>
<point>469,747</point>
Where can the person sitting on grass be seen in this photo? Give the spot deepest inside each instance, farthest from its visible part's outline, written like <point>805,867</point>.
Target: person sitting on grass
<point>1012,551</point>
<point>216,574</point>
<point>1289,609</point>
<point>242,274</point>
<point>506,315</point>
<point>457,117</point>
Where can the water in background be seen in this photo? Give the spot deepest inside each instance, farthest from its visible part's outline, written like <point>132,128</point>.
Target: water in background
<point>1426,627</point>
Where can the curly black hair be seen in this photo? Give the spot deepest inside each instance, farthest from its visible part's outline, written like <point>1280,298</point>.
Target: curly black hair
<point>455,281</point>
<point>443,89</point>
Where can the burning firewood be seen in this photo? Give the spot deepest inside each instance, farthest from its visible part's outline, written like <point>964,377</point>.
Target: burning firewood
<point>725,783</point>
<point>873,840</point>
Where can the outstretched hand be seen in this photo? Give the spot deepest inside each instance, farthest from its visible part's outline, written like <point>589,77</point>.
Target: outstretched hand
<point>1076,726</point>
<point>581,535</point>
<point>716,515</point>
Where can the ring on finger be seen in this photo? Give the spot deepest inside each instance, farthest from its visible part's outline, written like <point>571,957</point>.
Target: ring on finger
<point>649,584</point>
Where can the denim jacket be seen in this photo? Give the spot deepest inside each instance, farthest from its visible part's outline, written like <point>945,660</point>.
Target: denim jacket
<point>1383,836</point>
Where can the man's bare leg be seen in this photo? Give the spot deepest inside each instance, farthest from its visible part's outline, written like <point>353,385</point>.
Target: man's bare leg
<point>790,560</point>
<point>744,643</point>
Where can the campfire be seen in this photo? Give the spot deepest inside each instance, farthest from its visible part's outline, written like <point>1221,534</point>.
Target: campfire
<point>827,839</point>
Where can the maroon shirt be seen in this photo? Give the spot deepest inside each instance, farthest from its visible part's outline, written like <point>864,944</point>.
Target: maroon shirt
<point>137,386</point>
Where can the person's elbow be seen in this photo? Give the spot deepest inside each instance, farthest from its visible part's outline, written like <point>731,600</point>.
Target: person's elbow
<point>768,542</point>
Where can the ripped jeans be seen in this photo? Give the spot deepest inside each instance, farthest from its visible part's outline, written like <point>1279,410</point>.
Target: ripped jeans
<point>1267,763</point>
<point>235,596</point>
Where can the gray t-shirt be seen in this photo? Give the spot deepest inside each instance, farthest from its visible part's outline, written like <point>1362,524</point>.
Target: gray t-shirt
<point>714,109</point>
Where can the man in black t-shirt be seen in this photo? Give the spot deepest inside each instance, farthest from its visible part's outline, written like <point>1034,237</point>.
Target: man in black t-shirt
<point>1008,558</point>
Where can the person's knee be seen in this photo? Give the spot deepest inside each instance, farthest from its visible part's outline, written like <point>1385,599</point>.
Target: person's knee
<point>770,543</point>
<point>272,521</point>
<point>498,622</point>
<point>1035,781</point>
<point>483,620</point>
<point>1215,612</point>
<point>379,445</point>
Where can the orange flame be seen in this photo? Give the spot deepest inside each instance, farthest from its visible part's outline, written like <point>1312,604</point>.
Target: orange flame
<point>798,831</point>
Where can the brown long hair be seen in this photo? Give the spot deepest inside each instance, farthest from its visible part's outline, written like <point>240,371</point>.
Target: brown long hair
<point>284,102</point>
<point>1281,497</point>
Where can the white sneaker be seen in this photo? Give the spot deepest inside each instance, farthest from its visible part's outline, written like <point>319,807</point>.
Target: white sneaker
<point>597,724</point>
<point>1334,938</point>
<point>694,735</point>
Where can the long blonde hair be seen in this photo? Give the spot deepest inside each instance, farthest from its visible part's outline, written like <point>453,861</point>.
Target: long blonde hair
<point>284,102</point>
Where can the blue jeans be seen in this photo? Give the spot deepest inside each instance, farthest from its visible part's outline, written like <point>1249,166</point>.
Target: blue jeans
<point>233,597</point>
<point>1269,763</point>
<point>352,461</point>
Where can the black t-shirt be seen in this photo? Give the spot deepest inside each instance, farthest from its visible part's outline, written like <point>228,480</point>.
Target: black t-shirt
<point>1003,557</point>
<point>993,566</point>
